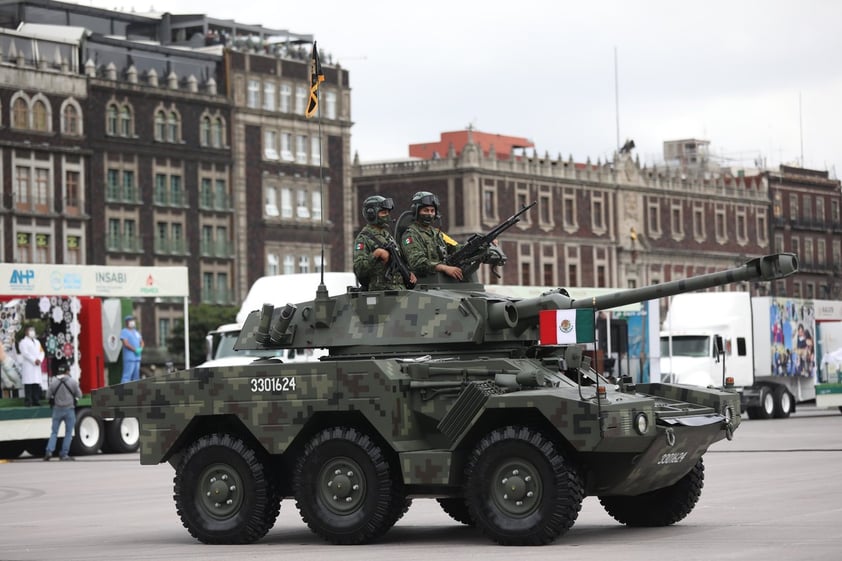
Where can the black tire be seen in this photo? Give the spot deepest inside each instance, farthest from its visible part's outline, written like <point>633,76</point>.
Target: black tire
<point>12,449</point>
<point>457,509</point>
<point>88,434</point>
<point>660,507</point>
<point>520,490</point>
<point>766,409</point>
<point>37,447</point>
<point>783,403</point>
<point>345,488</point>
<point>122,436</point>
<point>224,491</point>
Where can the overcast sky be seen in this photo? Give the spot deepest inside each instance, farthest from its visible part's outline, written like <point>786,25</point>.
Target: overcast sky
<point>759,79</point>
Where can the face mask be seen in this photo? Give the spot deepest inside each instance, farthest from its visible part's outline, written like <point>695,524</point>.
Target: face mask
<point>131,324</point>
<point>384,221</point>
<point>426,219</point>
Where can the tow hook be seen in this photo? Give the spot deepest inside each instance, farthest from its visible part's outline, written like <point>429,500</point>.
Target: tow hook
<point>729,431</point>
<point>670,437</point>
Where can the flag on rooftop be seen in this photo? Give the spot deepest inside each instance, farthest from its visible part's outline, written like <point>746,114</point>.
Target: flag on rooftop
<point>317,76</point>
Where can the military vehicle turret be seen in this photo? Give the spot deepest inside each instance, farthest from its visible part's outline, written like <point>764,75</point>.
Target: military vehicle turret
<point>445,391</point>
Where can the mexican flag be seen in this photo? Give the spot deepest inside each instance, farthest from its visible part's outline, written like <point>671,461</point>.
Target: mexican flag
<point>566,327</point>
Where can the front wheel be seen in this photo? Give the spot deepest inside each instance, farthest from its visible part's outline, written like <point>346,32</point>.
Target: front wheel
<point>457,509</point>
<point>660,507</point>
<point>223,491</point>
<point>520,489</point>
<point>346,489</point>
<point>88,435</point>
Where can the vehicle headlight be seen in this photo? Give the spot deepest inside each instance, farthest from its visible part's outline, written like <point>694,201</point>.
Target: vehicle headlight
<point>641,423</point>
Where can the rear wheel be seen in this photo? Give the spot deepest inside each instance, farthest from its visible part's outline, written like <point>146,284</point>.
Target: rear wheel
<point>520,490</point>
<point>766,409</point>
<point>89,434</point>
<point>660,507</point>
<point>122,435</point>
<point>783,403</point>
<point>223,491</point>
<point>346,489</point>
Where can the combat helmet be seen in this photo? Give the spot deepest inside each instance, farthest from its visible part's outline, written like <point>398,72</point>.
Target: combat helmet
<point>422,199</point>
<point>372,207</point>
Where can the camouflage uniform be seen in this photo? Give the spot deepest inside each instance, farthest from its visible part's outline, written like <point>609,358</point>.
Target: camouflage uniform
<point>423,248</point>
<point>371,272</point>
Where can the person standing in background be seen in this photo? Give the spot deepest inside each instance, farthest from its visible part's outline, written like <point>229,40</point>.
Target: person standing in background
<point>32,355</point>
<point>132,349</point>
<point>62,393</point>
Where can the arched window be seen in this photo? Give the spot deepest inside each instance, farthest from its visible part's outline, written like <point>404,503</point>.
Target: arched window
<point>160,126</point>
<point>40,121</point>
<point>205,131</point>
<point>70,119</point>
<point>111,120</point>
<point>20,114</point>
<point>217,133</point>
<point>172,127</point>
<point>125,121</point>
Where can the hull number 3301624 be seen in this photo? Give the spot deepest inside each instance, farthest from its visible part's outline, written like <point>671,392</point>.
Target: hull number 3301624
<point>273,384</point>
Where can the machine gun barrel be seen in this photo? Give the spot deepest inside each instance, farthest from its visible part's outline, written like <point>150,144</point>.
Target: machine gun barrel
<point>477,244</point>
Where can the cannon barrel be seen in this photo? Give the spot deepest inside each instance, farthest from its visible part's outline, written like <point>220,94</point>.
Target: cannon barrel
<point>766,268</point>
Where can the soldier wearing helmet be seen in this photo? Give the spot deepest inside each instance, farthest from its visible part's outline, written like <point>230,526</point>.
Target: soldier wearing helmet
<point>424,246</point>
<point>371,260</point>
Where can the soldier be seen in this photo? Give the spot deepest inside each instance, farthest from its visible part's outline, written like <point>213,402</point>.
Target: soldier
<point>425,247</point>
<point>371,256</point>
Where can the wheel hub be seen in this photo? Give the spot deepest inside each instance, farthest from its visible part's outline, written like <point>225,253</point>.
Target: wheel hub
<point>517,490</point>
<point>220,491</point>
<point>343,487</point>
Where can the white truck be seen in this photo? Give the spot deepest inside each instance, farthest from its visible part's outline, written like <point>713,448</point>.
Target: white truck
<point>770,347</point>
<point>277,290</point>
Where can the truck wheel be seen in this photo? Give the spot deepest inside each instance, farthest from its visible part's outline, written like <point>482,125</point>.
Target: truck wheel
<point>88,435</point>
<point>11,449</point>
<point>457,509</point>
<point>36,447</point>
<point>345,488</point>
<point>767,405</point>
<point>122,435</point>
<point>660,507</point>
<point>783,403</point>
<point>223,491</point>
<point>520,490</point>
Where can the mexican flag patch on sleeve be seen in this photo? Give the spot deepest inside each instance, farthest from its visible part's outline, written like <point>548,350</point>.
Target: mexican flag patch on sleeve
<point>407,240</point>
<point>360,246</point>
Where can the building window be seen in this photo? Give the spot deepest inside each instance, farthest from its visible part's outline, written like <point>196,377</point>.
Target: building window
<point>273,266</point>
<point>821,252</point>
<point>677,221</point>
<point>125,121</point>
<point>742,226</point>
<point>286,146</point>
<point>330,104</point>
<point>545,206</point>
<point>300,99</point>
<point>173,126</point>
<point>834,211</point>
<point>301,149</point>
<point>302,210</point>
<point>20,114</point>
<point>253,94</point>
<point>206,193</point>
<point>286,203</point>
<point>111,120</point>
<point>218,132</point>
<point>820,210</point>
<point>176,192</point>
<point>269,99</point>
<point>271,208</point>
<point>22,187</point>
<point>837,253</point>
<point>161,189</point>
<point>654,218</point>
<point>762,226</point>
<point>304,264</point>
<point>489,203</point>
<point>286,95</point>
<point>73,250</point>
<point>793,206</point>
<point>699,223</point>
<point>794,245</point>
<point>72,190</point>
<point>569,208</point>
<point>164,328</point>
<point>719,225</point>
<point>160,126</point>
<point>317,205</point>
<point>807,211</point>
<point>808,251</point>
<point>40,116</point>
<point>205,132</point>
<point>315,151</point>
<point>221,197</point>
<point>71,122</point>
<point>270,148</point>
<point>598,212</point>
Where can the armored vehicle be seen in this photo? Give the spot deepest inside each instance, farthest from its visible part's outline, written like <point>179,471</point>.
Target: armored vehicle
<point>445,391</point>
